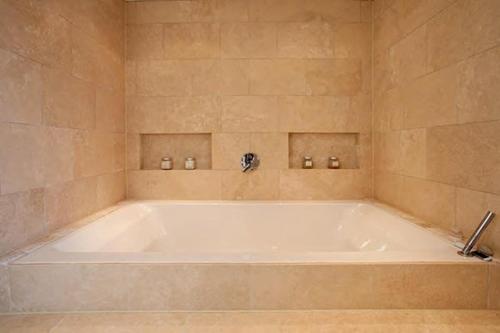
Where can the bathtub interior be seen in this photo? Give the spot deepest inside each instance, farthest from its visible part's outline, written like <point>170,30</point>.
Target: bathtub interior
<point>258,231</point>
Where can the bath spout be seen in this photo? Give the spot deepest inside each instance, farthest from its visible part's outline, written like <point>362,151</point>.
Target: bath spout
<point>467,250</point>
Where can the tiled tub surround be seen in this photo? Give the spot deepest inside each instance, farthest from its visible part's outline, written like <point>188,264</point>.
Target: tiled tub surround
<point>62,141</point>
<point>119,273</point>
<point>437,111</point>
<point>249,73</point>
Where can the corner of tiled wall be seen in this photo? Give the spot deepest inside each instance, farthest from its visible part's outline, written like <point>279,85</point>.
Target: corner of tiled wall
<point>61,64</point>
<point>436,111</point>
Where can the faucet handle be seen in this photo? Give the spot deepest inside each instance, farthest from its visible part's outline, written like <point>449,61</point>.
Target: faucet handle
<point>249,162</point>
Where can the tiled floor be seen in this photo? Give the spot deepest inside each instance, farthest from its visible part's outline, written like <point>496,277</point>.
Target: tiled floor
<point>386,321</point>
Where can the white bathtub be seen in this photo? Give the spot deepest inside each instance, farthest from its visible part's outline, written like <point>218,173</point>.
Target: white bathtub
<point>247,232</point>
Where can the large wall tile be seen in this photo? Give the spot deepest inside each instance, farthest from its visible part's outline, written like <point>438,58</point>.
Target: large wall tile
<point>248,40</point>
<point>163,78</point>
<point>313,39</point>
<point>431,100</point>
<point>317,114</point>
<point>68,101</point>
<point>21,219</point>
<point>174,114</point>
<point>227,149</point>
<point>21,166</point>
<point>110,189</point>
<point>454,154</point>
<point>431,201</point>
<point>4,289</point>
<point>277,77</point>
<point>158,11</point>
<point>323,184</point>
<point>145,41</point>
<point>482,25</point>
<point>191,40</point>
<point>263,185</point>
<point>249,114</point>
<point>479,82</point>
<point>109,110</point>
<point>446,36</point>
<point>413,152</point>
<point>20,89</point>
<point>339,77</point>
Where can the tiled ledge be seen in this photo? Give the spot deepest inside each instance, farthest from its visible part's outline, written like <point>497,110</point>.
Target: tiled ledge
<point>195,287</point>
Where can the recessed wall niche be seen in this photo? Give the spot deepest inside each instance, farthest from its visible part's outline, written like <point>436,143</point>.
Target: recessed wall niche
<point>320,146</point>
<point>178,147</point>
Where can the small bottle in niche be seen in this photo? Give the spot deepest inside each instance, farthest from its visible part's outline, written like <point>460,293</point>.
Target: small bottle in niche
<point>333,162</point>
<point>307,163</point>
<point>166,163</point>
<point>190,163</point>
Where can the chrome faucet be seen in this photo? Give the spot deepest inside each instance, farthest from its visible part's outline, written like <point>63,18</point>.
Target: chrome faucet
<point>467,251</point>
<point>249,162</point>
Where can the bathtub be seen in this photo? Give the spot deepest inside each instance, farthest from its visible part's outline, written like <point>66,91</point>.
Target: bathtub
<point>217,256</point>
<point>248,232</point>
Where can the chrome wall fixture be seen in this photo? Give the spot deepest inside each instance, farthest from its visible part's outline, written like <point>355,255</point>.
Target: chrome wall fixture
<point>467,251</point>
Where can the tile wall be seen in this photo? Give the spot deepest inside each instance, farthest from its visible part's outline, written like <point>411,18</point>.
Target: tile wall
<point>249,73</point>
<point>62,119</point>
<point>437,111</point>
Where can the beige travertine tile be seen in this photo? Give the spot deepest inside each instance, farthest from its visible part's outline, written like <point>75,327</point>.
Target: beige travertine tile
<point>21,221</point>
<point>479,82</point>
<point>68,101</point>
<point>453,153</point>
<point>366,11</point>
<point>110,110</point>
<point>313,39</point>
<point>4,289</point>
<point>323,184</point>
<point>339,77</point>
<point>219,77</point>
<point>277,77</point>
<point>232,10</point>
<point>494,287</point>
<point>317,114</point>
<point>296,10</point>
<point>58,155</point>
<point>431,100</point>
<point>248,40</point>
<point>234,77</point>
<point>410,321</point>
<point>388,151</point>
<point>415,13</point>
<point>271,148</point>
<point>446,37</point>
<point>133,151</point>
<point>148,114</point>
<point>249,114</point>
<point>388,112</point>
<point>130,78</point>
<point>261,185</point>
<point>163,78</point>
<point>178,147</point>
<point>174,184</point>
<point>21,166</point>
<point>68,202</point>
<point>145,41</point>
<point>29,323</point>
<point>431,201</point>
<point>408,56</point>
<point>39,35</point>
<point>158,12</point>
<point>413,152</point>
<point>110,189</point>
<point>227,149</point>
<point>481,25</point>
<point>387,29</point>
<point>191,40</point>
<point>353,40</point>
<point>20,89</point>
<point>387,187</point>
